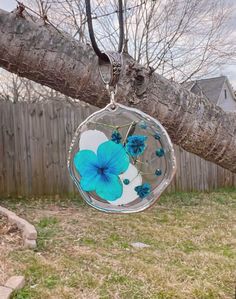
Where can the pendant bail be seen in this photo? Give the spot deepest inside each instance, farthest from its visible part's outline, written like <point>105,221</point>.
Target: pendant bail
<point>110,70</point>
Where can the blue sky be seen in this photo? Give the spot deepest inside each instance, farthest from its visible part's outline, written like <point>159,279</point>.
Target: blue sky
<point>8,4</point>
<point>227,70</point>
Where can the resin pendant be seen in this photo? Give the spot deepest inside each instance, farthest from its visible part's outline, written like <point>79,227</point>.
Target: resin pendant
<point>121,159</point>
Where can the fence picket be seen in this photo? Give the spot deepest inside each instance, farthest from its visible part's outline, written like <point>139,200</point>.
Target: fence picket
<point>34,140</point>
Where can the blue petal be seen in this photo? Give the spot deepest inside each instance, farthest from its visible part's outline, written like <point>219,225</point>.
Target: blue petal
<point>85,162</point>
<point>88,182</point>
<point>135,145</point>
<point>116,136</point>
<point>113,156</point>
<point>160,152</point>
<point>143,190</point>
<point>143,124</point>
<point>109,187</point>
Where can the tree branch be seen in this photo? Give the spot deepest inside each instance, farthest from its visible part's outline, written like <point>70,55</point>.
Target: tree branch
<point>40,53</point>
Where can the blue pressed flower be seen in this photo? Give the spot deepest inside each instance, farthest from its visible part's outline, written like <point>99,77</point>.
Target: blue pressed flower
<point>157,136</point>
<point>143,190</point>
<point>100,173</point>
<point>135,145</point>
<point>126,181</point>
<point>160,152</point>
<point>158,172</point>
<point>116,136</point>
<point>143,124</point>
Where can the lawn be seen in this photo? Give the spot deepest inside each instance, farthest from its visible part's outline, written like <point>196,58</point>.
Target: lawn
<point>83,253</point>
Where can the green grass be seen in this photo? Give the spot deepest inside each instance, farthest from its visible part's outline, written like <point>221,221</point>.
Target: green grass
<point>83,253</point>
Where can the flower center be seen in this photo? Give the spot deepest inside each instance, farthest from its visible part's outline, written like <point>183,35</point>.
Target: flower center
<point>101,170</point>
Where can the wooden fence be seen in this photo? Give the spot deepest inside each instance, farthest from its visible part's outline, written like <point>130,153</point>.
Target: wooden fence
<point>34,141</point>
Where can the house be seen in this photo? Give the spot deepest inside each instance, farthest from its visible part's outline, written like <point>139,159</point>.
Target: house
<point>218,90</point>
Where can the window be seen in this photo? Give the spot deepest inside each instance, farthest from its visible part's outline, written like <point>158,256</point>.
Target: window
<point>225,94</point>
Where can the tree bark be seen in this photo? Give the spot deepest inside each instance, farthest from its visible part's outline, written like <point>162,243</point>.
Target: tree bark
<point>42,54</point>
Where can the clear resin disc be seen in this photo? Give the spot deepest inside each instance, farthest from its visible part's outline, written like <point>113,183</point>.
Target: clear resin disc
<point>121,160</point>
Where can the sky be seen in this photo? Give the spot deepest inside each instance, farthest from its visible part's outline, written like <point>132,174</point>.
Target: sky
<point>228,70</point>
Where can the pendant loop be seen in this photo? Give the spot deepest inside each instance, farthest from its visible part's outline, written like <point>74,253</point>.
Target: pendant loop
<point>110,71</point>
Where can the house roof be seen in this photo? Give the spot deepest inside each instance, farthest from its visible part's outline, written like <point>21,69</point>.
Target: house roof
<point>211,87</point>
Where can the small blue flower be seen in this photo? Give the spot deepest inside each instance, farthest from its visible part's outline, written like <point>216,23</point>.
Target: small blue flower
<point>143,190</point>
<point>158,172</point>
<point>135,145</point>
<point>116,136</point>
<point>126,181</point>
<point>143,124</point>
<point>160,152</point>
<point>157,136</point>
<point>100,173</point>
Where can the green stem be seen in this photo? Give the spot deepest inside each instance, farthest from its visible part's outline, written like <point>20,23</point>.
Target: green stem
<point>141,162</point>
<point>111,126</point>
<point>123,126</point>
<point>127,134</point>
<point>105,125</point>
<point>147,173</point>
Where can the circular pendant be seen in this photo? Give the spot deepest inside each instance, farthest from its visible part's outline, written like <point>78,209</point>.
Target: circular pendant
<point>121,159</point>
